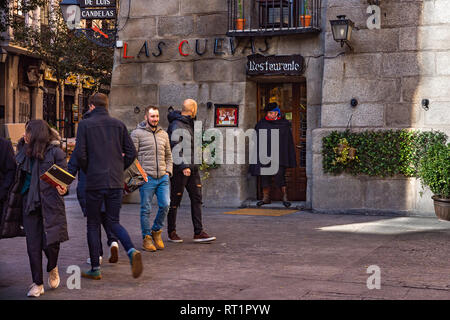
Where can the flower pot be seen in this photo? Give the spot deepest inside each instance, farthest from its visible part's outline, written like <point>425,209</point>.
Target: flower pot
<point>240,23</point>
<point>442,208</point>
<point>305,20</point>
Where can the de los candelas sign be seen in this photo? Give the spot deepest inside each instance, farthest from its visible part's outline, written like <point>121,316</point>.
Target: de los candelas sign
<point>198,47</point>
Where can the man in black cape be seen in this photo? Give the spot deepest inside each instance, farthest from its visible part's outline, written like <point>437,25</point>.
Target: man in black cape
<point>286,148</point>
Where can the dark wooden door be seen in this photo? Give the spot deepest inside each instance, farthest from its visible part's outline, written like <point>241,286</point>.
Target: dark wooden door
<point>69,127</point>
<point>291,98</point>
<point>49,109</point>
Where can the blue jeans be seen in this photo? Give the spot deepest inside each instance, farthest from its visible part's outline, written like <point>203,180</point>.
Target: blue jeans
<point>161,187</point>
<point>112,198</point>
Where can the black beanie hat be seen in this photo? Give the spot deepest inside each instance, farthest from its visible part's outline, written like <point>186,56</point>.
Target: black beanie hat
<point>271,106</point>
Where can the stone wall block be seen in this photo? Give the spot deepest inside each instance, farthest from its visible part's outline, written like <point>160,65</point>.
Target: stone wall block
<point>211,25</point>
<point>145,8</point>
<point>203,6</point>
<point>364,115</point>
<point>408,64</point>
<point>127,116</point>
<point>126,74</point>
<point>174,94</point>
<point>143,28</point>
<point>418,88</point>
<point>133,95</point>
<point>366,66</point>
<point>337,193</point>
<point>397,14</point>
<point>435,12</point>
<point>175,26</point>
<point>408,38</point>
<point>443,63</point>
<point>402,114</point>
<point>212,70</point>
<point>333,68</point>
<point>390,194</point>
<point>156,73</point>
<point>438,114</point>
<point>362,89</point>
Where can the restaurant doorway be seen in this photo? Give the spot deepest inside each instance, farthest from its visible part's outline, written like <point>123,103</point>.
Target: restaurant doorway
<point>291,98</point>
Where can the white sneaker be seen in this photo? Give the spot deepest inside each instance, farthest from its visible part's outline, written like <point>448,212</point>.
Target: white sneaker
<point>53,278</point>
<point>113,252</point>
<point>88,261</point>
<point>35,290</point>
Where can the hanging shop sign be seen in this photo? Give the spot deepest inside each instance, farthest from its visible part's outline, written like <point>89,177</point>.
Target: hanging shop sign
<point>97,3</point>
<point>98,14</point>
<point>76,12</point>
<point>258,65</point>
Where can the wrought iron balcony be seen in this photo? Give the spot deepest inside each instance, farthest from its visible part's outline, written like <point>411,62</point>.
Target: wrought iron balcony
<point>273,17</point>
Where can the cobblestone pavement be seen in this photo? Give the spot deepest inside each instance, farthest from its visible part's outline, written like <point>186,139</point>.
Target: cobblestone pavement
<point>296,256</point>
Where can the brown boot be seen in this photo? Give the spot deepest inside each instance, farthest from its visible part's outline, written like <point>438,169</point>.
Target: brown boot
<point>157,240</point>
<point>266,197</point>
<point>286,203</point>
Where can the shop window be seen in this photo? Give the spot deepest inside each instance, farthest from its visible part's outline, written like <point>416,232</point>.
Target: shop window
<point>274,17</point>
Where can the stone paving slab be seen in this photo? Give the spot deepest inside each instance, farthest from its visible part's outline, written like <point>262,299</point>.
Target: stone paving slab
<point>301,256</point>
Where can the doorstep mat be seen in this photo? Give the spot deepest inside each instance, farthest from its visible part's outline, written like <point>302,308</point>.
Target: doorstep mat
<point>262,212</point>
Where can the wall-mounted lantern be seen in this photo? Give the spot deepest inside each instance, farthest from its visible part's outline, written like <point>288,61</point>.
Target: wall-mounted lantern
<point>70,10</point>
<point>342,30</point>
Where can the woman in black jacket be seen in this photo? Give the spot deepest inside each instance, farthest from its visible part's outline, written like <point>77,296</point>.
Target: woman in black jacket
<point>7,169</point>
<point>43,210</point>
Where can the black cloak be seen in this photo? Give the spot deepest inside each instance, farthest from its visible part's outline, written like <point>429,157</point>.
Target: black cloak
<point>286,144</point>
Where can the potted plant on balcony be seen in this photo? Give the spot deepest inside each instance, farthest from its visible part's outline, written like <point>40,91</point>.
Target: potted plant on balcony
<point>240,21</point>
<point>305,17</point>
<point>434,172</point>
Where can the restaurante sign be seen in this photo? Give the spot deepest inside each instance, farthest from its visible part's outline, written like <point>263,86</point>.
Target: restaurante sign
<point>272,65</point>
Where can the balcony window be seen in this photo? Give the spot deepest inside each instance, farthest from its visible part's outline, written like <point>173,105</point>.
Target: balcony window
<point>274,17</point>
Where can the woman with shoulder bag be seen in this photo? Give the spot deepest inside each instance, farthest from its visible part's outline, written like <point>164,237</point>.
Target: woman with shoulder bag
<point>43,209</point>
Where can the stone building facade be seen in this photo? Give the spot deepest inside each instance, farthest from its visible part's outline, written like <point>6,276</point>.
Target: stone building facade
<point>177,49</point>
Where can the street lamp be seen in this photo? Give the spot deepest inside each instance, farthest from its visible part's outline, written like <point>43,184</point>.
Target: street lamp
<point>3,55</point>
<point>342,30</point>
<point>71,13</point>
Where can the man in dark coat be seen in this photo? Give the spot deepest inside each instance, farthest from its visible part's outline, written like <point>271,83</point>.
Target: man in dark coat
<point>185,173</point>
<point>286,159</point>
<point>104,150</point>
<point>7,169</point>
<point>74,168</point>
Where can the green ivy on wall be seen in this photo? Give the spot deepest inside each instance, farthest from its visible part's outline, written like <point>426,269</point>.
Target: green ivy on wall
<point>378,153</point>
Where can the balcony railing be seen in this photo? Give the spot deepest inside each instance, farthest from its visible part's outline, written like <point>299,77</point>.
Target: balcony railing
<point>273,17</point>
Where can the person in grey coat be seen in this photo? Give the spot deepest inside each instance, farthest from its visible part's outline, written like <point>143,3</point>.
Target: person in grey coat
<point>155,156</point>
